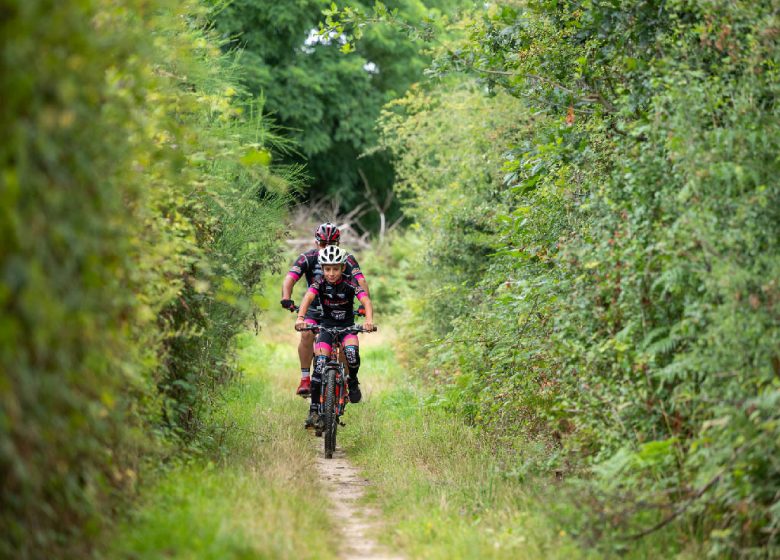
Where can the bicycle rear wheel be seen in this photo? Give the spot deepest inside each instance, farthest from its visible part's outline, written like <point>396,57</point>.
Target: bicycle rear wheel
<point>329,413</point>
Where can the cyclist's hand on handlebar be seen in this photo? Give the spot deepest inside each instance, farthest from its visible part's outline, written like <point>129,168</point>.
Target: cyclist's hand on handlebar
<point>299,323</point>
<point>368,326</point>
<point>288,304</point>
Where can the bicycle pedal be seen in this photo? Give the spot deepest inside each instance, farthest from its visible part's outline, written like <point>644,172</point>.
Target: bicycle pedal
<point>342,424</point>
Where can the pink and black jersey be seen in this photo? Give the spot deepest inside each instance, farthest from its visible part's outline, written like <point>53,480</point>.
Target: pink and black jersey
<point>308,265</point>
<point>337,299</point>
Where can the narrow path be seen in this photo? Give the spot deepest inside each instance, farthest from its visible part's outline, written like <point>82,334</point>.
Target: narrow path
<point>345,489</point>
<point>342,481</point>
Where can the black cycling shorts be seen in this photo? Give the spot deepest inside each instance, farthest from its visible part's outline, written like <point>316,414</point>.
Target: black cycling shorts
<point>315,314</point>
<point>329,339</point>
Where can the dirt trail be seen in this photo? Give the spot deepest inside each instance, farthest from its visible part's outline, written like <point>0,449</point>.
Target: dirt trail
<point>359,523</point>
<point>346,488</point>
<point>342,481</point>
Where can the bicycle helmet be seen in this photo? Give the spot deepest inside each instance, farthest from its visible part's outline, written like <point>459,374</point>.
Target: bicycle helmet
<point>327,233</point>
<point>332,254</point>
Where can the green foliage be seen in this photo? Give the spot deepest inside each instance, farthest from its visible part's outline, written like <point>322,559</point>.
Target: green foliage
<point>449,490</point>
<point>125,268</point>
<point>446,143</point>
<point>325,99</point>
<point>625,316</point>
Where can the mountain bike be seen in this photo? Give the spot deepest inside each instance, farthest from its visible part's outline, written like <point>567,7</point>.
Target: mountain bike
<point>359,312</point>
<point>335,392</point>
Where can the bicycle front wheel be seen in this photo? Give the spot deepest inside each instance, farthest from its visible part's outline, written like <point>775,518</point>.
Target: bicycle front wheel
<point>329,416</point>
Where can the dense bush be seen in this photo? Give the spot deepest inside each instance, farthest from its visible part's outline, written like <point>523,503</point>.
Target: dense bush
<point>611,288</point>
<point>138,209</point>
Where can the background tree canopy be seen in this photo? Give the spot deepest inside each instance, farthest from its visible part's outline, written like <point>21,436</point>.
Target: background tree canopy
<point>324,100</point>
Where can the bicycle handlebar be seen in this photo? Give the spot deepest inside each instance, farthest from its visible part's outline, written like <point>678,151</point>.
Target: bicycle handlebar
<point>359,312</point>
<point>336,330</point>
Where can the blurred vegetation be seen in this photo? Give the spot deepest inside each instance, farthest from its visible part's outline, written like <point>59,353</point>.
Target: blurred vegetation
<point>140,204</point>
<point>595,254</point>
<point>325,100</point>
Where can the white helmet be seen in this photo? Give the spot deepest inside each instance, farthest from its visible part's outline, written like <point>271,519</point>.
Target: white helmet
<point>333,254</point>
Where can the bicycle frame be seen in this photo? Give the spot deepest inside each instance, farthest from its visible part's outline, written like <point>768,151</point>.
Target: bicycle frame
<point>359,312</point>
<point>335,391</point>
<point>335,361</point>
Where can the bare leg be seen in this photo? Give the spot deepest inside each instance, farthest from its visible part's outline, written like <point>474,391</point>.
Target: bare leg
<point>305,353</point>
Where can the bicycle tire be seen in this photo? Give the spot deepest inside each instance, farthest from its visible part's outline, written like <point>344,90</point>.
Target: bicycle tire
<point>329,413</point>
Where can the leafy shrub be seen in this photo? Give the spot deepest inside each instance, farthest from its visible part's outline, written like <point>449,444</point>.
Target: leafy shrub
<point>138,210</point>
<point>625,313</point>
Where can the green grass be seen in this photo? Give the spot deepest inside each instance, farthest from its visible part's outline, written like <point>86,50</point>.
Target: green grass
<point>448,491</point>
<point>440,487</point>
<point>445,490</point>
<point>257,502</point>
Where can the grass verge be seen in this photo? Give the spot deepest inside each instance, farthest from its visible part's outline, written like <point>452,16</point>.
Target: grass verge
<point>257,501</point>
<point>448,492</point>
<point>445,490</point>
<point>440,488</point>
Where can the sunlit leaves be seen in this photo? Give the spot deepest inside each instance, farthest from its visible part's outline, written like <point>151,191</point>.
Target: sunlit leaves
<point>630,293</point>
<point>126,211</point>
<point>256,157</point>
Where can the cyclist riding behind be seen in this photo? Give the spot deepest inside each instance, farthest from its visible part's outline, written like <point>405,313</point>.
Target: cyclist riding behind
<point>336,293</point>
<point>307,264</point>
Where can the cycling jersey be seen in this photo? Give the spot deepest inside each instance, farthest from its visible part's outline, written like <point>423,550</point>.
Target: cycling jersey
<point>337,300</point>
<point>308,264</point>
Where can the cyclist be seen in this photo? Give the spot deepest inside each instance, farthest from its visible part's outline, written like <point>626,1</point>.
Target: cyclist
<point>336,293</point>
<point>307,265</point>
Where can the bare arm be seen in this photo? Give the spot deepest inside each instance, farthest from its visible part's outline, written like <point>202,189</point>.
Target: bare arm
<point>357,274</point>
<point>287,286</point>
<point>368,324</point>
<point>363,284</point>
<point>307,299</point>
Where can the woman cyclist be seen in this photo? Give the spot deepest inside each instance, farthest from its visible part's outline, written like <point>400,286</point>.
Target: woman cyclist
<point>307,265</point>
<point>336,294</point>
